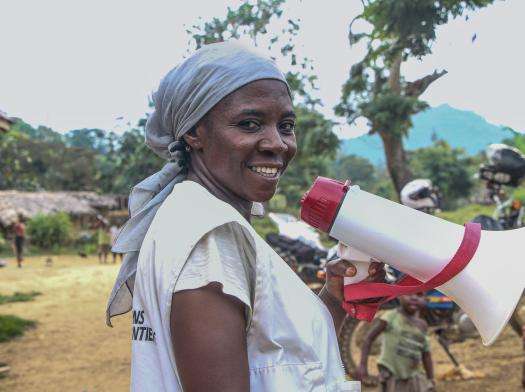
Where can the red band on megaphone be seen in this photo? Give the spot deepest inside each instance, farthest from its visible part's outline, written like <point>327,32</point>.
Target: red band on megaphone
<point>385,292</point>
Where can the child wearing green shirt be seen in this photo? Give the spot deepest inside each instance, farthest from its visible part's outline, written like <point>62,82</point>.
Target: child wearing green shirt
<point>405,345</point>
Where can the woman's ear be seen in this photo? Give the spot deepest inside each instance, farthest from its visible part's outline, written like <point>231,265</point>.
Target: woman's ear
<point>194,137</point>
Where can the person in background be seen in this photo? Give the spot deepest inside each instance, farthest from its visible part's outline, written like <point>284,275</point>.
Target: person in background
<point>19,230</point>
<point>523,371</point>
<point>113,232</point>
<point>103,241</point>
<point>404,346</point>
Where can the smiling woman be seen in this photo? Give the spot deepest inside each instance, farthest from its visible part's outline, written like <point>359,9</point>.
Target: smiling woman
<point>214,307</point>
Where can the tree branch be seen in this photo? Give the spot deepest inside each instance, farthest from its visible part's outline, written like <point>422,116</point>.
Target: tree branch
<point>418,87</point>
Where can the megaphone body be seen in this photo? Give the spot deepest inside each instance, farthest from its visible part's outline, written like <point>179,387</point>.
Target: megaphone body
<point>421,245</point>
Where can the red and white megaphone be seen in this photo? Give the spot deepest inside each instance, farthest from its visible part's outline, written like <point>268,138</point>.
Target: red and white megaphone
<point>487,288</point>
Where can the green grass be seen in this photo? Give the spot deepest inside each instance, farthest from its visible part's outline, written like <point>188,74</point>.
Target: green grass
<point>13,326</point>
<point>18,297</point>
<point>467,213</point>
<point>264,226</point>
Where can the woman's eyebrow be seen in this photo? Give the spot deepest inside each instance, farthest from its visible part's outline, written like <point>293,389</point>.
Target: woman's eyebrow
<point>258,113</point>
<point>251,112</point>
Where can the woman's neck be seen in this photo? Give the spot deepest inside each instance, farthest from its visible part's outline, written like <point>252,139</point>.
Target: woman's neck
<point>199,173</point>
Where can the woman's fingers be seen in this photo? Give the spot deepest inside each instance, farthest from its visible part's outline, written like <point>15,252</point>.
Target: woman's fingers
<point>376,272</point>
<point>341,267</point>
<point>375,267</point>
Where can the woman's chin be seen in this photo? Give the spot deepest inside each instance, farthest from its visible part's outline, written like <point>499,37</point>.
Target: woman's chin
<point>262,196</point>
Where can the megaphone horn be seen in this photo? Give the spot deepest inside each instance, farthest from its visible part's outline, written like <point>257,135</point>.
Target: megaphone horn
<point>488,288</point>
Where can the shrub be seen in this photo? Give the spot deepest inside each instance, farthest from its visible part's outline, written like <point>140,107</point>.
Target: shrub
<point>12,326</point>
<point>18,297</point>
<point>50,231</point>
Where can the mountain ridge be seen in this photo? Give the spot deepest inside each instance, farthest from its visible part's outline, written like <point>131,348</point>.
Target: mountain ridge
<point>459,128</point>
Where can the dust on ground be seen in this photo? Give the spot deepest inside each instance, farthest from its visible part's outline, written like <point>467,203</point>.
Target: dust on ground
<point>71,349</point>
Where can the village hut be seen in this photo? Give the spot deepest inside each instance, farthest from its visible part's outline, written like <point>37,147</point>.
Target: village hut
<point>83,207</point>
<point>5,122</point>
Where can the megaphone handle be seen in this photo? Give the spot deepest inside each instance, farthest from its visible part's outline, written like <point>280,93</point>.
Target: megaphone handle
<point>384,292</point>
<point>360,260</point>
<point>361,274</point>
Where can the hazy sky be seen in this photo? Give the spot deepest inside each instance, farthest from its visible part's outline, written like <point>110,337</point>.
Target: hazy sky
<point>74,64</point>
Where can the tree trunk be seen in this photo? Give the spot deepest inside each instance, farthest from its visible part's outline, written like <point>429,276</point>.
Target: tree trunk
<point>396,160</point>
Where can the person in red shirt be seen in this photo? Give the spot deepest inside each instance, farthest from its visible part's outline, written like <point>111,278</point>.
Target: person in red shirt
<point>19,230</point>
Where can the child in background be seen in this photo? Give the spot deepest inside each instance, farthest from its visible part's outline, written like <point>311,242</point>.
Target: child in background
<point>103,241</point>
<point>404,346</point>
<point>19,230</point>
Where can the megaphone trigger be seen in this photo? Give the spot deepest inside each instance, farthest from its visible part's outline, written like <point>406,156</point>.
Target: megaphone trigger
<point>360,260</point>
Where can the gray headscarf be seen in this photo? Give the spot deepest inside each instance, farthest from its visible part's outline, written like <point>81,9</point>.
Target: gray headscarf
<point>184,96</point>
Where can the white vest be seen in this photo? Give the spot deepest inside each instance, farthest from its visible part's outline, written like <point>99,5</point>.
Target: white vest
<point>292,343</point>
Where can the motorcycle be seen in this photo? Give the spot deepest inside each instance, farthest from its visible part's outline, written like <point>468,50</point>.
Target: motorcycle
<point>505,167</point>
<point>300,246</point>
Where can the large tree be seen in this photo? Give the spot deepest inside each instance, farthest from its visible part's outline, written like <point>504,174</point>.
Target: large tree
<point>376,89</point>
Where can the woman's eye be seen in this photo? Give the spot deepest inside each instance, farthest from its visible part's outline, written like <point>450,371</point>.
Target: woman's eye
<point>287,127</point>
<point>249,125</point>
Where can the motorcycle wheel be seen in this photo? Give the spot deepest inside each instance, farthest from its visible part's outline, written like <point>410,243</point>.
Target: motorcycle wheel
<point>351,336</point>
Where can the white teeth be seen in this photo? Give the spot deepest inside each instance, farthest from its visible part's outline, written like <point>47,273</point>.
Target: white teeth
<point>265,171</point>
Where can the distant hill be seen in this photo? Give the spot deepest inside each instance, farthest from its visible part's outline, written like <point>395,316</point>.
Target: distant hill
<point>457,127</point>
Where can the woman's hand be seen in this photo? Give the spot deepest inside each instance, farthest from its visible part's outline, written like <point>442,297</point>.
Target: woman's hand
<point>338,269</point>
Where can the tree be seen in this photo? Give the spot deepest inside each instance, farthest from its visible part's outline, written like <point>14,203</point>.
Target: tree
<point>447,167</point>
<point>376,89</point>
<point>359,170</point>
<point>317,147</point>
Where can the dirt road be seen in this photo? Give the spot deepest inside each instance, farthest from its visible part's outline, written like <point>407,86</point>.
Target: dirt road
<point>71,349</point>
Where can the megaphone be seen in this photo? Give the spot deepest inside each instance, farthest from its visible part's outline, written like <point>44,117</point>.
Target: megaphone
<point>488,289</point>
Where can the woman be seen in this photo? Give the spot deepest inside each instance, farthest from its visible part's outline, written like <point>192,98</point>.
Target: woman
<point>214,308</point>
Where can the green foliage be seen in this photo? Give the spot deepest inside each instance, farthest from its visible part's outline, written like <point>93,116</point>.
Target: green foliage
<point>466,213</point>
<point>447,168</point>
<point>49,231</point>
<point>317,146</point>
<point>86,159</point>
<point>359,170</point>
<point>518,140</point>
<point>519,194</point>
<point>18,297</point>
<point>383,186</point>
<point>264,226</point>
<point>13,326</point>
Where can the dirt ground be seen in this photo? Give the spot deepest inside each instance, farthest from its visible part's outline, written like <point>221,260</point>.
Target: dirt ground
<point>71,349</point>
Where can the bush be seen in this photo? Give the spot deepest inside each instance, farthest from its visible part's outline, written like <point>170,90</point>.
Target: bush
<point>12,326</point>
<point>18,297</point>
<point>50,231</point>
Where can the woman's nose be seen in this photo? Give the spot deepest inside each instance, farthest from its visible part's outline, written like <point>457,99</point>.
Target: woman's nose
<point>273,141</point>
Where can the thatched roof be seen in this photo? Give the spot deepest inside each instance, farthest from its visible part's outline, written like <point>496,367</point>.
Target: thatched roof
<point>28,204</point>
<point>5,122</point>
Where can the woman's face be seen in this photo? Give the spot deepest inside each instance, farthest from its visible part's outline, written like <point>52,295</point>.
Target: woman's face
<point>248,139</point>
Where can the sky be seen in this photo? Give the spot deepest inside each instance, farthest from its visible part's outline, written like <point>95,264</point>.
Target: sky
<point>71,64</point>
